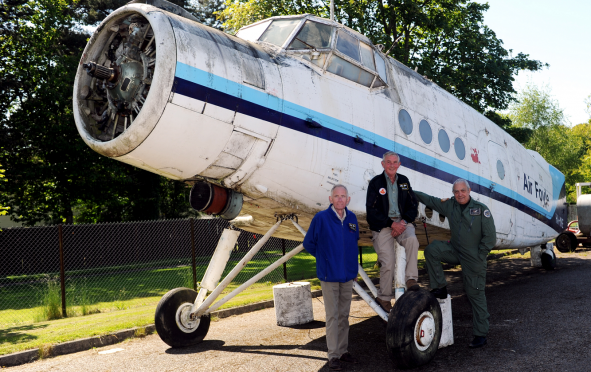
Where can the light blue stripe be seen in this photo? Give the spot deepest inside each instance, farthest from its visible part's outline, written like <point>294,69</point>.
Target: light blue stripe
<point>221,84</point>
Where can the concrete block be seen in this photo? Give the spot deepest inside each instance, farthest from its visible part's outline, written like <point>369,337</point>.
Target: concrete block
<point>536,256</point>
<point>447,327</point>
<point>293,303</point>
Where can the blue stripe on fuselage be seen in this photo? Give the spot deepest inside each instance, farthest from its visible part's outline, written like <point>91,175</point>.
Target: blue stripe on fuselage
<point>195,83</point>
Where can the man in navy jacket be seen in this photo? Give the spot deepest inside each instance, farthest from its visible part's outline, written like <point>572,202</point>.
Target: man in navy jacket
<point>332,239</point>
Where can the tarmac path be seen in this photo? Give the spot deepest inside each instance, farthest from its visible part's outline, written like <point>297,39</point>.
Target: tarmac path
<point>539,322</point>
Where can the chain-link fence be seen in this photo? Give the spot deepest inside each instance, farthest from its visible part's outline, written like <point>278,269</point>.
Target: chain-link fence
<point>116,266</point>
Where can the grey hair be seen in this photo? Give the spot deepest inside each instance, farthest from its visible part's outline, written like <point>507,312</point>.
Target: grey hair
<point>390,153</point>
<point>460,180</point>
<point>337,186</point>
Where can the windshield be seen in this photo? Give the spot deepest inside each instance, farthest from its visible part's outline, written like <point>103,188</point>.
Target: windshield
<point>313,35</point>
<point>279,31</point>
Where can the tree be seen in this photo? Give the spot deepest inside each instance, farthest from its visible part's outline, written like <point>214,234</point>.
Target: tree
<point>51,172</point>
<point>444,39</point>
<point>39,145</point>
<point>560,145</point>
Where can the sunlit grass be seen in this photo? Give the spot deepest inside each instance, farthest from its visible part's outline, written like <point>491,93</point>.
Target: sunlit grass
<point>109,305</point>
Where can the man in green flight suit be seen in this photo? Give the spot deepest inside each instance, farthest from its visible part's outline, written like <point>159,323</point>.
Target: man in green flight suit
<point>473,235</point>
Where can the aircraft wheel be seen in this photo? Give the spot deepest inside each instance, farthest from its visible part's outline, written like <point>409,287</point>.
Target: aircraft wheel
<point>414,329</point>
<point>548,260</point>
<point>567,242</point>
<point>172,320</point>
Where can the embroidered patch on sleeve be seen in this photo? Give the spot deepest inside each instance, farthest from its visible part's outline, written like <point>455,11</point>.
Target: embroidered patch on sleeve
<point>487,213</point>
<point>404,186</point>
<point>476,212</point>
<point>353,227</point>
<point>382,191</point>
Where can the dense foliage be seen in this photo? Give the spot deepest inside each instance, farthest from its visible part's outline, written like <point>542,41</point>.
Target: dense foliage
<point>52,175</point>
<point>567,148</point>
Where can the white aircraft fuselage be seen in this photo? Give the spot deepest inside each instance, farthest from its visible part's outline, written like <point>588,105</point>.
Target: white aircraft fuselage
<point>280,114</point>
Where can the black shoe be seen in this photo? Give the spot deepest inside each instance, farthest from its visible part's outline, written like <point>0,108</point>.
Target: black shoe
<point>440,293</point>
<point>479,341</point>
<point>348,358</point>
<point>412,285</point>
<point>334,364</point>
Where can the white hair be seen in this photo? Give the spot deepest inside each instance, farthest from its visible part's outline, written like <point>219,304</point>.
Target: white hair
<point>460,180</point>
<point>337,186</point>
<point>390,153</point>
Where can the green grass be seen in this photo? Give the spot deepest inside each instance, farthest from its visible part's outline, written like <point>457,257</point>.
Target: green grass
<point>111,299</point>
<point>99,305</point>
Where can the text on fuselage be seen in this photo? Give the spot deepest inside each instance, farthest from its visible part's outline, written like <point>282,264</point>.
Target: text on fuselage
<point>540,192</point>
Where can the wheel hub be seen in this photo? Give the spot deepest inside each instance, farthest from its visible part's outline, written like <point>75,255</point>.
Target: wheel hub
<point>424,330</point>
<point>183,318</point>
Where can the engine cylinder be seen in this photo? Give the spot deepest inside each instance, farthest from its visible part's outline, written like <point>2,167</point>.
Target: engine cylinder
<point>213,199</point>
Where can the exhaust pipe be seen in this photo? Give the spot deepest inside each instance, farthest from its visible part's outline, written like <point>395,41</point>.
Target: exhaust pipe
<point>213,199</point>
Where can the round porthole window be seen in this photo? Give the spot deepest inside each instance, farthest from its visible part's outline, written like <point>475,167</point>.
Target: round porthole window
<point>405,121</point>
<point>443,140</point>
<point>501,169</point>
<point>460,149</point>
<point>425,131</point>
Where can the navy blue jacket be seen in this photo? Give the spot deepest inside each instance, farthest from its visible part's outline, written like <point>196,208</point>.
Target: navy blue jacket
<point>334,244</point>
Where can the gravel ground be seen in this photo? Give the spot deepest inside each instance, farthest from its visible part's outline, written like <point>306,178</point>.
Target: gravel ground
<point>538,323</point>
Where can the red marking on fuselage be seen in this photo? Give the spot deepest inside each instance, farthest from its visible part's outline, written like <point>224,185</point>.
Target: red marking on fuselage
<point>474,156</point>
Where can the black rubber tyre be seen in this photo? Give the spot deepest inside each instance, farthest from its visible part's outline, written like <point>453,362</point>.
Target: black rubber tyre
<point>548,260</point>
<point>566,242</point>
<point>166,319</point>
<point>410,311</point>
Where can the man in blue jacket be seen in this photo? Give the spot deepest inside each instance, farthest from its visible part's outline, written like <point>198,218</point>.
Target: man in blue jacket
<point>332,239</point>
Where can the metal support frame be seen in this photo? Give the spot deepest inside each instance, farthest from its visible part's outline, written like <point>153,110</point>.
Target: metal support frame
<point>203,302</point>
<point>201,308</point>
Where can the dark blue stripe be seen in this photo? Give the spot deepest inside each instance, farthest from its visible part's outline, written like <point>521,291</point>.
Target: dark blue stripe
<point>214,97</point>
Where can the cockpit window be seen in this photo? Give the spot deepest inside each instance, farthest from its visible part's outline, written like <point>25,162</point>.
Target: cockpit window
<point>367,56</point>
<point>349,71</point>
<point>381,67</point>
<point>348,45</point>
<point>279,31</point>
<point>254,32</point>
<point>313,35</point>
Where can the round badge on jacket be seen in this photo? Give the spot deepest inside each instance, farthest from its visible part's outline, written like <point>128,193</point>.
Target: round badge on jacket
<point>382,191</point>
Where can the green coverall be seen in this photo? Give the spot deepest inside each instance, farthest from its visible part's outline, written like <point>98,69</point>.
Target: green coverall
<point>473,235</point>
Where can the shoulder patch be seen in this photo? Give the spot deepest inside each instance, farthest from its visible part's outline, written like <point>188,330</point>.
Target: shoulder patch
<point>353,226</point>
<point>476,212</point>
<point>487,213</point>
<point>404,186</point>
<point>382,191</point>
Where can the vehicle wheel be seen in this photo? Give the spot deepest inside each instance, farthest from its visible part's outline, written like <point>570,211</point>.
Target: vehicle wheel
<point>548,260</point>
<point>172,319</point>
<point>414,329</point>
<point>566,242</point>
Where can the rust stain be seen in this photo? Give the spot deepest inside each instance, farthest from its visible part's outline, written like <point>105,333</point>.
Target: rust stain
<point>474,156</point>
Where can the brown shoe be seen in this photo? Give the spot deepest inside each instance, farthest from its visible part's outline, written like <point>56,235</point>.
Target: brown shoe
<point>334,365</point>
<point>412,285</point>
<point>386,305</point>
<point>348,358</point>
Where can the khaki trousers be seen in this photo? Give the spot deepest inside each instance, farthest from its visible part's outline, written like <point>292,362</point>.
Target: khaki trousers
<point>337,303</point>
<point>383,244</point>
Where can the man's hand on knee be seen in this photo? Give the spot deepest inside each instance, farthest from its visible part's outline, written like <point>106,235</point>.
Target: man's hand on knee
<point>398,228</point>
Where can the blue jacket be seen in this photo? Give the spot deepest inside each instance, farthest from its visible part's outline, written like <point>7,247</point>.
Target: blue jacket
<point>334,244</point>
